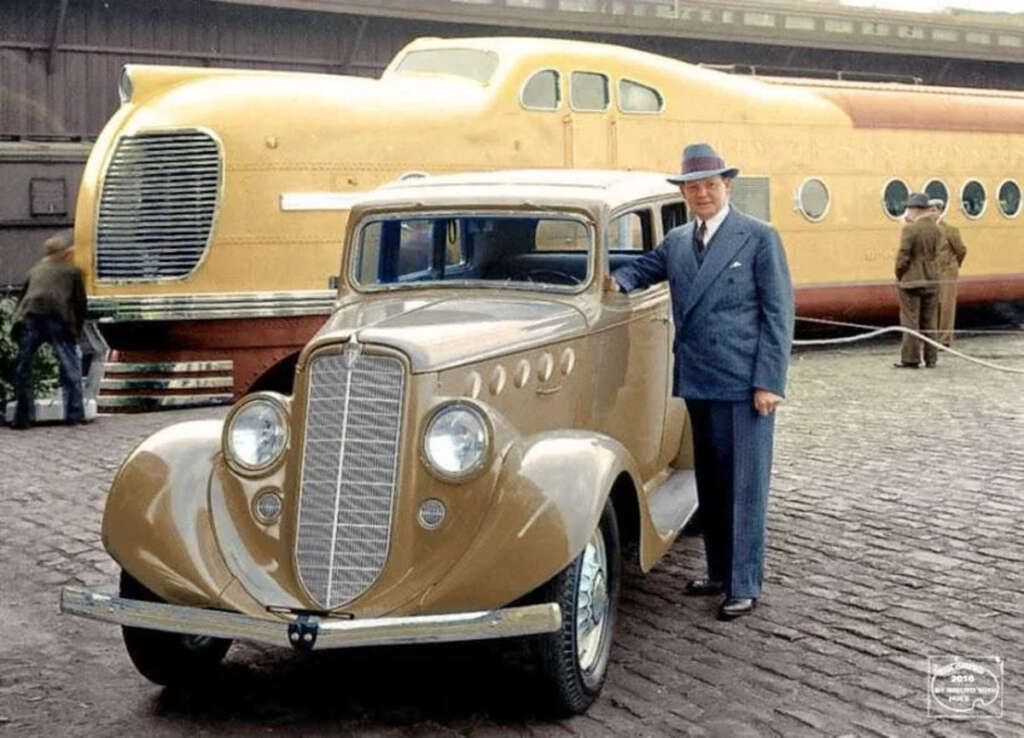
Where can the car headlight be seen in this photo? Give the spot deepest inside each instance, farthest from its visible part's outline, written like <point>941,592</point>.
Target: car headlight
<point>456,440</point>
<point>256,435</point>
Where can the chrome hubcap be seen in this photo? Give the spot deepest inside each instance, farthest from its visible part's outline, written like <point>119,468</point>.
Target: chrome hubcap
<point>592,603</point>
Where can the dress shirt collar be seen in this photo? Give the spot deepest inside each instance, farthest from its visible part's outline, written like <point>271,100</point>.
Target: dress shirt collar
<point>713,223</point>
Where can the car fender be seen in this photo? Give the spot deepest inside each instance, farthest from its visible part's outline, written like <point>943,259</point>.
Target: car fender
<point>551,492</point>
<point>157,525</point>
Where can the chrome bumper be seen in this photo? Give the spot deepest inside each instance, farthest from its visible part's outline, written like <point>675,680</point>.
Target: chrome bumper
<point>309,632</point>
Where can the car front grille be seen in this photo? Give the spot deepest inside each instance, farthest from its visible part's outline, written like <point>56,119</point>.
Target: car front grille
<point>157,205</point>
<point>349,473</point>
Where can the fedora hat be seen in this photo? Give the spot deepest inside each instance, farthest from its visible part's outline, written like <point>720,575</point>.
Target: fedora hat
<point>918,200</point>
<point>701,161</point>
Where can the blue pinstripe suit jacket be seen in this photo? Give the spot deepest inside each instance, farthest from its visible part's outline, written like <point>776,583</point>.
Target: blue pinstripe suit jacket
<point>733,314</point>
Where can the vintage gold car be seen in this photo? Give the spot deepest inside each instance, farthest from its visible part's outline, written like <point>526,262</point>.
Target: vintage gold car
<point>479,438</point>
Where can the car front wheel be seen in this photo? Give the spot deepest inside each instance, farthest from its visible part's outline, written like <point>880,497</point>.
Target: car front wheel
<point>574,660</point>
<point>168,659</point>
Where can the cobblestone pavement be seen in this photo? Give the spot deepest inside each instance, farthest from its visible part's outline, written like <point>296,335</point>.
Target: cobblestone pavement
<point>893,535</point>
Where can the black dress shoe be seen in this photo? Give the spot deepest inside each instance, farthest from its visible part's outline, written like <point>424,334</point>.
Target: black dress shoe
<point>703,588</point>
<point>735,607</point>
<point>905,365</point>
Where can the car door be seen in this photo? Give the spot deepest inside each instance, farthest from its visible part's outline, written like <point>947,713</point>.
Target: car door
<point>634,348</point>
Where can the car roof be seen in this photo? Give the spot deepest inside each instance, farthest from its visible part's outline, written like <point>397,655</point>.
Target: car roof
<point>586,188</point>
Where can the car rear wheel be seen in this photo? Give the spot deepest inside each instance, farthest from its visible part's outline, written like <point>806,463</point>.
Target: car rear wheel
<point>573,661</point>
<point>168,659</point>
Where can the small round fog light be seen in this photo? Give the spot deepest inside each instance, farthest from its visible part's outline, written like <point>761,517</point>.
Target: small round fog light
<point>267,506</point>
<point>431,514</point>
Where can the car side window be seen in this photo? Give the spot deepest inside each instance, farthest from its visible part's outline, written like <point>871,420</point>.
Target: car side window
<point>673,215</point>
<point>630,232</point>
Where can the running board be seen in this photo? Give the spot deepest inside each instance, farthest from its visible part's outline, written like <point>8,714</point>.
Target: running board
<point>674,502</point>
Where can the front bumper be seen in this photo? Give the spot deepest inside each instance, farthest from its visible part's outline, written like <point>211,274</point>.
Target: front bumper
<point>310,632</point>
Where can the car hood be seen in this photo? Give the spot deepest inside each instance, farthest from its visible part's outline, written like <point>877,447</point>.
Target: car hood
<point>442,332</point>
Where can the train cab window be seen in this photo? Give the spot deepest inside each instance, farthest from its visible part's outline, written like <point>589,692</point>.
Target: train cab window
<point>476,64</point>
<point>894,198</point>
<point>589,91</point>
<point>543,91</point>
<point>972,199</point>
<point>630,232</point>
<point>637,98</point>
<point>936,190</point>
<point>1009,199</point>
<point>812,199</point>
<point>673,215</point>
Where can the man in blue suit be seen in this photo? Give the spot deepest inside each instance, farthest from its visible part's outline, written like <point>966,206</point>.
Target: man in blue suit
<point>732,303</point>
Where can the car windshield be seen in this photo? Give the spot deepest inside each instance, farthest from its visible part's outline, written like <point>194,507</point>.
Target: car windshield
<point>476,64</point>
<point>549,251</point>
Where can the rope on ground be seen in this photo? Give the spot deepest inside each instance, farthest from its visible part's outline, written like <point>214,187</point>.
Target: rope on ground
<point>864,326</point>
<point>901,329</point>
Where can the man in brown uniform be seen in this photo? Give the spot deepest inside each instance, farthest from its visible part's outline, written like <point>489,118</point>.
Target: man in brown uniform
<point>951,256</point>
<point>917,271</point>
<point>51,310</point>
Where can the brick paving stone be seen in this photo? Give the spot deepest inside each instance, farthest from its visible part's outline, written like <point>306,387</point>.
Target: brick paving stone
<point>893,535</point>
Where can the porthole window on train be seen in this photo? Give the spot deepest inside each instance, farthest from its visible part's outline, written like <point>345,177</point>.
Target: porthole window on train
<point>1009,199</point>
<point>589,91</point>
<point>972,199</point>
<point>812,199</point>
<point>543,91</point>
<point>637,98</point>
<point>894,198</point>
<point>936,189</point>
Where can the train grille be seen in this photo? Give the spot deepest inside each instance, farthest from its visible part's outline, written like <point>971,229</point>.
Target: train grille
<point>349,468</point>
<point>157,206</point>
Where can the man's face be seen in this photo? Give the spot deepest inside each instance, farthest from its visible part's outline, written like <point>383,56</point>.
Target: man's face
<point>914,214</point>
<point>705,197</point>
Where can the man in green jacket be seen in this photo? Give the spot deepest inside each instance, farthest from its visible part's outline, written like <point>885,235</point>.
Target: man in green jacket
<point>51,310</point>
<point>917,272</point>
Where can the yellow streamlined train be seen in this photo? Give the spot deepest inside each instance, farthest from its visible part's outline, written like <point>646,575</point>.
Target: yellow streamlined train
<point>214,203</point>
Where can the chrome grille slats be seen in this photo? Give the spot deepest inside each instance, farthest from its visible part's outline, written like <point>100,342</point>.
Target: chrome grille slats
<point>349,473</point>
<point>160,194</point>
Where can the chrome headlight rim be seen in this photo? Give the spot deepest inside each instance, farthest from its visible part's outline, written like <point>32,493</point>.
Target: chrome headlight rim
<point>481,463</point>
<point>280,405</point>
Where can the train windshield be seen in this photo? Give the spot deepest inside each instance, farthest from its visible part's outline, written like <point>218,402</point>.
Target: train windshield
<point>531,252</point>
<point>475,64</point>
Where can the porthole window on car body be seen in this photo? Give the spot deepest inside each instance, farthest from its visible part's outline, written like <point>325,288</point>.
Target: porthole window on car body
<point>589,91</point>
<point>637,98</point>
<point>936,189</point>
<point>1009,198</point>
<point>894,198</point>
<point>972,198</point>
<point>543,91</point>
<point>812,199</point>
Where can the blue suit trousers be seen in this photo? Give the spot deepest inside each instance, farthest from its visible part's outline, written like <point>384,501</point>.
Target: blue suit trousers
<point>733,455</point>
